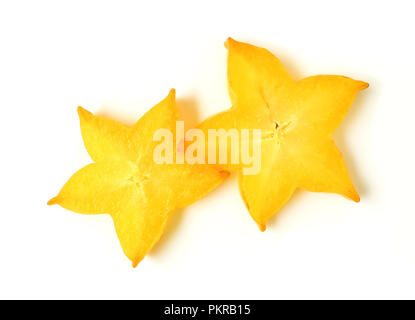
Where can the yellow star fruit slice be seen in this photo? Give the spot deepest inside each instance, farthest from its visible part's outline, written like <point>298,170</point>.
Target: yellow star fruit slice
<point>297,120</point>
<point>125,182</point>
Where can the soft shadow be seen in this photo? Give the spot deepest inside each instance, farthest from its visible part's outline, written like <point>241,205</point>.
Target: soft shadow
<point>345,146</point>
<point>295,198</point>
<point>188,111</point>
<point>288,63</point>
<point>176,218</point>
<point>173,225</point>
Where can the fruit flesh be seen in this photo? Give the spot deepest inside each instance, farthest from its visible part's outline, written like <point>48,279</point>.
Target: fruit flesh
<point>297,119</point>
<point>126,183</point>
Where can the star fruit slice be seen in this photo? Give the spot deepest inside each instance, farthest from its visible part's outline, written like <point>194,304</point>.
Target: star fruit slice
<point>126,183</point>
<point>297,120</point>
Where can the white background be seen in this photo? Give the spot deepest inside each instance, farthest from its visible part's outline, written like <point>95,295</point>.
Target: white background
<point>119,59</point>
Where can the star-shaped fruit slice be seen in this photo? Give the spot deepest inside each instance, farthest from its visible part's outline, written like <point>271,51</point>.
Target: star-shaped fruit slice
<point>125,181</point>
<point>297,120</point>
